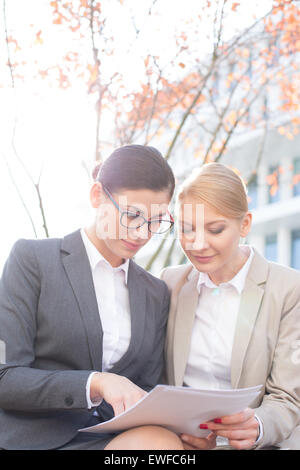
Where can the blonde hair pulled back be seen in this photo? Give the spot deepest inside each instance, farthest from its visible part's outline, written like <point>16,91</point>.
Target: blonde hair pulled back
<point>219,186</point>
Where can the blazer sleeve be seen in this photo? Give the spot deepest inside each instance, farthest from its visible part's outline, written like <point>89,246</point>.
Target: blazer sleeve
<point>163,376</point>
<point>153,369</point>
<point>23,387</point>
<point>280,408</point>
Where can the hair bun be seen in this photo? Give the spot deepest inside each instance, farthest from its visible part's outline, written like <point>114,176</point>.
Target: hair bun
<point>96,170</point>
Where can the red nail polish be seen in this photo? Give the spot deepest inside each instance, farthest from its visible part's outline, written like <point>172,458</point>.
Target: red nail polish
<point>203,426</point>
<point>218,420</point>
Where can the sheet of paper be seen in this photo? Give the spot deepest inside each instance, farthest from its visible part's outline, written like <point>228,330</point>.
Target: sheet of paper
<point>180,409</point>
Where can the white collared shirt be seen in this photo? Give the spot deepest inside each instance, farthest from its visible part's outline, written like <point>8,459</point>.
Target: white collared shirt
<point>209,361</point>
<point>112,296</point>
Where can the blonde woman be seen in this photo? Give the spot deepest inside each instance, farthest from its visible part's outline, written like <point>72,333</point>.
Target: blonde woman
<point>234,317</point>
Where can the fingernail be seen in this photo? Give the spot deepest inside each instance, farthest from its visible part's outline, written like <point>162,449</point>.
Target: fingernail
<point>184,437</point>
<point>218,420</point>
<point>203,426</point>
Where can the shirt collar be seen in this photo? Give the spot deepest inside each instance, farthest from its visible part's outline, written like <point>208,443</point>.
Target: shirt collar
<point>238,281</point>
<point>96,257</point>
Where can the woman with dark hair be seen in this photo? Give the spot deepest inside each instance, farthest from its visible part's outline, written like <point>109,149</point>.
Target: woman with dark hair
<point>82,324</point>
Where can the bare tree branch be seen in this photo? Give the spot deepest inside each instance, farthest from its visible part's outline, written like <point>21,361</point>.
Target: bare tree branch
<point>14,147</point>
<point>7,46</point>
<point>20,195</point>
<point>260,153</point>
<point>156,253</point>
<point>241,116</point>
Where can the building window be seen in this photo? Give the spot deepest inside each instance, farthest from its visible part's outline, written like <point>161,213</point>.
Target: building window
<point>273,180</point>
<point>296,249</point>
<point>253,194</point>
<point>271,247</point>
<point>296,177</point>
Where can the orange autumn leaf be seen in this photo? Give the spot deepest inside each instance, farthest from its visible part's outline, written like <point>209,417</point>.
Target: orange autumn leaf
<point>75,28</point>
<point>38,39</point>
<point>296,120</point>
<point>199,153</point>
<point>43,73</point>
<point>172,124</point>
<point>188,142</point>
<point>93,69</point>
<point>273,190</point>
<point>271,179</point>
<point>229,79</point>
<point>10,39</point>
<point>231,118</point>
<point>216,147</point>
<point>57,20</point>
<point>63,80</point>
<point>296,179</point>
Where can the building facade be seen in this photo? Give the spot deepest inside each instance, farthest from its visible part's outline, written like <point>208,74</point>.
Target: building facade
<point>274,199</point>
<point>274,196</point>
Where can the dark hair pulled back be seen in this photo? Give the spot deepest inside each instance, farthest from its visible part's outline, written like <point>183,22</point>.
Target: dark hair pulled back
<point>135,167</point>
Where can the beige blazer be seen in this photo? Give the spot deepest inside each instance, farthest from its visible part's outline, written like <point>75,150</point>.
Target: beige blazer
<point>266,348</point>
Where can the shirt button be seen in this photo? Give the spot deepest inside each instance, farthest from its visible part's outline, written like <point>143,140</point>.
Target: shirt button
<point>69,401</point>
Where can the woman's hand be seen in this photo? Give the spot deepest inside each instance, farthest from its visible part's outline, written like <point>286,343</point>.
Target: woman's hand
<point>198,443</point>
<point>116,390</point>
<point>241,429</point>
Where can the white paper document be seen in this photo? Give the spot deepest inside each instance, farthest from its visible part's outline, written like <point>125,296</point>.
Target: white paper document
<point>180,409</point>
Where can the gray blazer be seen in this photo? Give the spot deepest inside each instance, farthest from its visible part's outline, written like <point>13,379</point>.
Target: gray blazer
<point>50,330</point>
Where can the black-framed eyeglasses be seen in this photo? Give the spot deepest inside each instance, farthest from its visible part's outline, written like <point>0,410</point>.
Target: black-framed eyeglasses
<point>133,220</point>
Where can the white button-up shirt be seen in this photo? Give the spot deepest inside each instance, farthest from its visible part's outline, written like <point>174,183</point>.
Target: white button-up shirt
<point>113,304</point>
<point>209,361</point>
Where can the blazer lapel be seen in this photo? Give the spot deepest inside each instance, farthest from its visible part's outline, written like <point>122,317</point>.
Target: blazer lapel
<point>185,315</point>
<point>137,301</point>
<point>249,308</point>
<point>169,344</point>
<point>78,270</point>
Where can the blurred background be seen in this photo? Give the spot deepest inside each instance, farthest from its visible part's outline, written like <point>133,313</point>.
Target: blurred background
<point>200,80</point>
